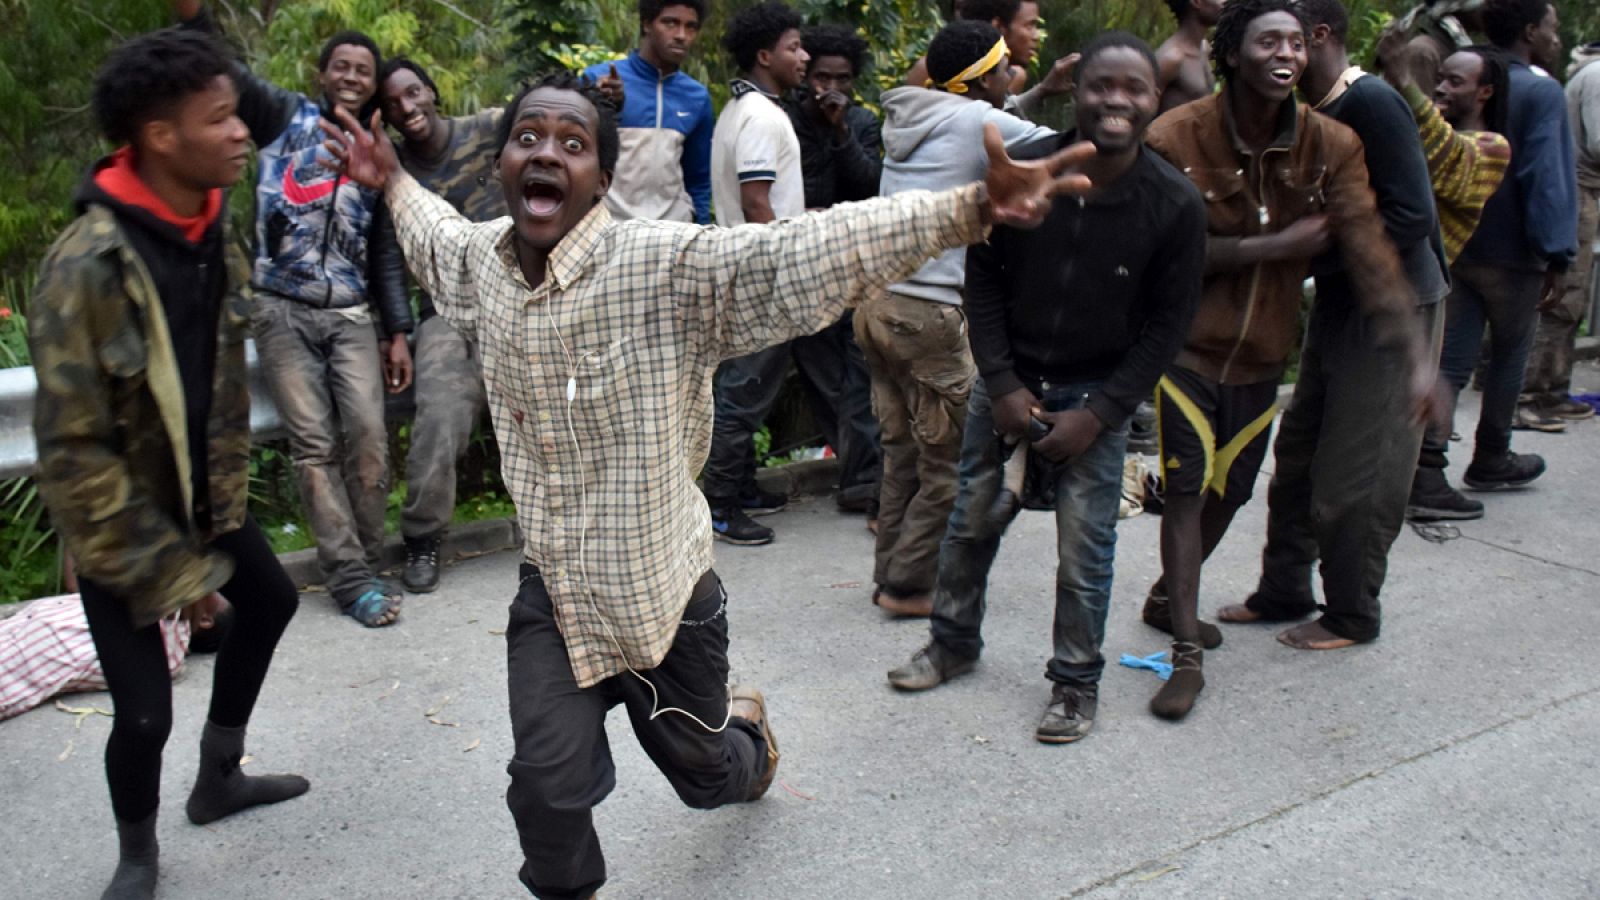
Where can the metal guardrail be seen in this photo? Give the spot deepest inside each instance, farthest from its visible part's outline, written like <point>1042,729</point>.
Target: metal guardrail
<point>18,387</point>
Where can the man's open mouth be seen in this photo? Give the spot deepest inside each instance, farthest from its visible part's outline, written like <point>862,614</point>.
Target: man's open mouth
<point>1282,74</point>
<point>415,122</point>
<point>542,199</point>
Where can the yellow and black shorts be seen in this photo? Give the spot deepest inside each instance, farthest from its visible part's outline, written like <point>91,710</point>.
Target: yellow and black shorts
<point>1212,435</point>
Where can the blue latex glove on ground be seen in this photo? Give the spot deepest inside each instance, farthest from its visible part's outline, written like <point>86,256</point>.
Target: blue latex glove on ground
<point>1155,662</point>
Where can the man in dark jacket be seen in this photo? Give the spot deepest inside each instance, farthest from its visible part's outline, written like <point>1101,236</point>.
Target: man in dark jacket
<point>841,157</point>
<point>1072,324</point>
<point>1345,445</point>
<point>143,427</point>
<point>324,246</point>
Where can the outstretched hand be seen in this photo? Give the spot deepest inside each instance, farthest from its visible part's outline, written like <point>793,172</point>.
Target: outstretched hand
<point>1020,192</point>
<point>365,157</point>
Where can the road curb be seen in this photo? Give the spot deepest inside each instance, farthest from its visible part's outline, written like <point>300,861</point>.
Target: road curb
<point>460,542</point>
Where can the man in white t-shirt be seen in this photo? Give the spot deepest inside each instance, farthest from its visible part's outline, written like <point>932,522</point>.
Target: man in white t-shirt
<point>755,178</point>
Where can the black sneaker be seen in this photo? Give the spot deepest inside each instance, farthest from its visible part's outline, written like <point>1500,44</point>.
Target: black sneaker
<point>421,574</point>
<point>1070,714</point>
<point>1510,470</point>
<point>761,503</point>
<point>1433,499</point>
<point>731,525</point>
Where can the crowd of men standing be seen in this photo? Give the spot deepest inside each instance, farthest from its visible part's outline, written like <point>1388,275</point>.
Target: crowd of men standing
<point>974,343</point>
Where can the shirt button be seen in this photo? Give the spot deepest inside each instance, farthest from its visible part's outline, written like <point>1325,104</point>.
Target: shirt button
<point>555,470</point>
<point>544,417</point>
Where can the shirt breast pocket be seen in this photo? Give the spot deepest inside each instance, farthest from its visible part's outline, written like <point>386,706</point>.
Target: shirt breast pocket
<point>1300,191</point>
<point>1228,207</point>
<point>603,399</point>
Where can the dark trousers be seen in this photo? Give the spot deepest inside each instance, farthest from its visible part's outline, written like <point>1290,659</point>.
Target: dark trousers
<point>1088,492</point>
<point>1343,470</point>
<point>1506,301</point>
<point>135,664</point>
<point>840,390</point>
<point>563,768</point>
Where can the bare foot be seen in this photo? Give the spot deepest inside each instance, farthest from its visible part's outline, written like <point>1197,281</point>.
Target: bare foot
<point>1312,636</point>
<point>1237,613</point>
<point>914,606</point>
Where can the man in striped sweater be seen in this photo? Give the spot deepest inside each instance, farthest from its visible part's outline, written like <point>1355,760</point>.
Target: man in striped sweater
<point>1467,157</point>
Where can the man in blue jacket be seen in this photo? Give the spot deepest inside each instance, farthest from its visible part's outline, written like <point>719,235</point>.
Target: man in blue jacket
<point>1513,265</point>
<point>666,116</point>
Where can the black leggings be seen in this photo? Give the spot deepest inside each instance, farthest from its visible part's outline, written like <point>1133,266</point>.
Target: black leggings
<point>135,665</point>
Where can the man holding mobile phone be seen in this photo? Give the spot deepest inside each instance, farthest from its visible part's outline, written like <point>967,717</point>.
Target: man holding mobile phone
<point>1071,327</point>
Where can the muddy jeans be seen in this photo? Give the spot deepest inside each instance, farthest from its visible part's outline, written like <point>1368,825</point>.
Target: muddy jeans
<point>563,767</point>
<point>326,379</point>
<point>1088,492</point>
<point>1549,374</point>
<point>449,393</point>
<point>1342,472</point>
<point>922,372</point>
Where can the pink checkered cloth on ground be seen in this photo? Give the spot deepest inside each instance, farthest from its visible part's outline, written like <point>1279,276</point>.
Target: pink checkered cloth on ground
<point>46,650</point>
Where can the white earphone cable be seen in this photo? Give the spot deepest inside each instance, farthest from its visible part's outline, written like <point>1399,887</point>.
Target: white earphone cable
<point>583,517</point>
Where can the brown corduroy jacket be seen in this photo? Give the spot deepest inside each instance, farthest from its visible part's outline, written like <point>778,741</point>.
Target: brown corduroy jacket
<point>1249,314</point>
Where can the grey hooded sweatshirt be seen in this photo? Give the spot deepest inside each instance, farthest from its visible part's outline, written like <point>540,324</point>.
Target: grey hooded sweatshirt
<point>933,140</point>
<point>1583,110</point>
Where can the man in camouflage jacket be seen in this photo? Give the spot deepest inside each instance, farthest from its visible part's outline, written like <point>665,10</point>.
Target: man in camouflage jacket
<point>120,492</point>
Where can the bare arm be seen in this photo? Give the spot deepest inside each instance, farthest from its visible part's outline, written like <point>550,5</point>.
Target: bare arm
<point>755,201</point>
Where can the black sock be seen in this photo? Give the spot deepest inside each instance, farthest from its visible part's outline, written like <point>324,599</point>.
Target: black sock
<point>220,789</point>
<point>135,878</point>
<point>1177,696</point>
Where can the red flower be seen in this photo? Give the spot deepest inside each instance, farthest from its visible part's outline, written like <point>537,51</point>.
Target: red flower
<point>5,312</point>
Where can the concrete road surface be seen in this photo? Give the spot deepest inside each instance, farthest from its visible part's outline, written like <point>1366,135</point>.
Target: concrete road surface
<point>1452,758</point>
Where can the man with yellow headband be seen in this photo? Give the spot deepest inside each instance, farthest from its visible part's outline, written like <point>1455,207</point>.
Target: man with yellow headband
<point>914,335</point>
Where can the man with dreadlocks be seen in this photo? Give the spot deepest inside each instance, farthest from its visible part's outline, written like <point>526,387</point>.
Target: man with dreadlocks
<point>1281,186</point>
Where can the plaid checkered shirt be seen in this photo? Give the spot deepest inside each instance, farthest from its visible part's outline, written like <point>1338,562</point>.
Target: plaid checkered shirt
<point>599,377</point>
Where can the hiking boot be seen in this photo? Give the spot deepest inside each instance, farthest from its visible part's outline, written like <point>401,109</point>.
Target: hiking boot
<point>421,574</point>
<point>1507,470</point>
<point>1433,500</point>
<point>731,525</point>
<point>1531,418</point>
<point>930,667</point>
<point>1158,615</point>
<point>1070,714</point>
<point>1562,406</point>
<point>762,503</point>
